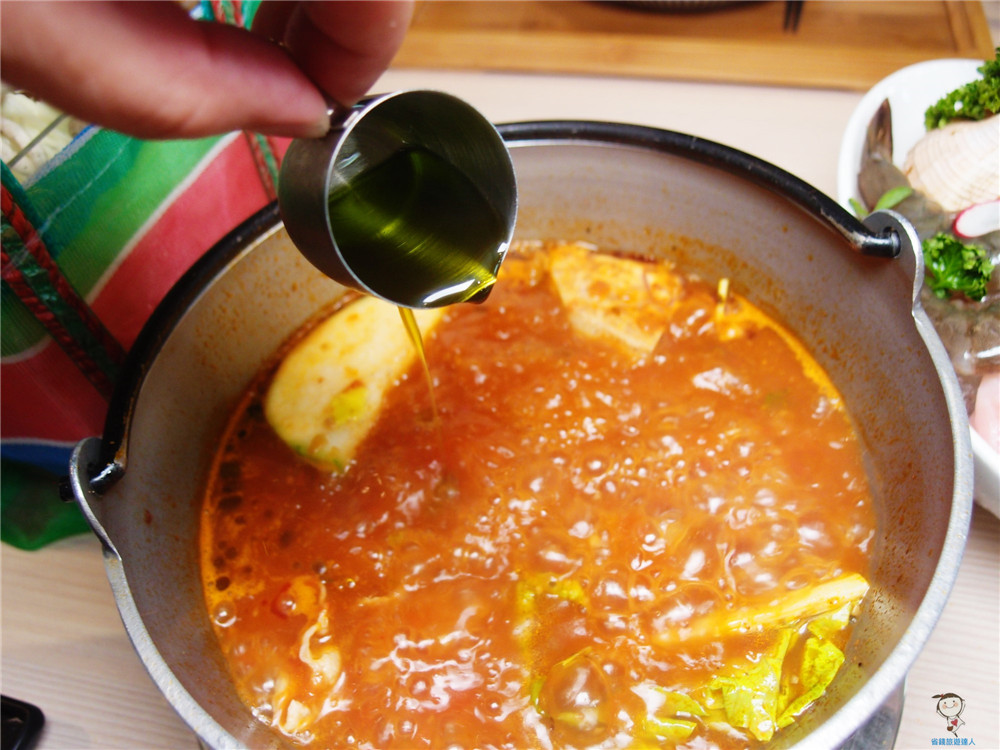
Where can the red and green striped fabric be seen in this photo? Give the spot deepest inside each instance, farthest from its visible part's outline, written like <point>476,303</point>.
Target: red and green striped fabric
<point>90,245</point>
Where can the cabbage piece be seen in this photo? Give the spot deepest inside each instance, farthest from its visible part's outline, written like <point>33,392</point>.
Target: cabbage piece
<point>666,707</point>
<point>806,603</point>
<point>680,703</point>
<point>820,662</point>
<point>672,729</point>
<point>831,623</point>
<point>750,697</point>
<point>770,694</point>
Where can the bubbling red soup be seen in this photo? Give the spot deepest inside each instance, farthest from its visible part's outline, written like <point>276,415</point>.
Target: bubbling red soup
<point>631,511</point>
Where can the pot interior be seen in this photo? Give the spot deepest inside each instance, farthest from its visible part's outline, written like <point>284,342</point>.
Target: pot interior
<point>855,313</point>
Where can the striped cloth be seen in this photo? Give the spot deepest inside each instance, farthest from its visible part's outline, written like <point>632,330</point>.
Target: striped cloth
<point>89,245</point>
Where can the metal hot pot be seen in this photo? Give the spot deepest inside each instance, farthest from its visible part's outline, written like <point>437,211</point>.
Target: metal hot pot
<point>719,212</point>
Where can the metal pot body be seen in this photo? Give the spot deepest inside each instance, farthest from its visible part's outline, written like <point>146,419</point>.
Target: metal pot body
<point>714,210</point>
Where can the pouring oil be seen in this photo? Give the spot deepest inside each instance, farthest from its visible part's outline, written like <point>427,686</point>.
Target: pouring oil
<point>417,230</point>
<point>413,331</point>
<point>414,228</point>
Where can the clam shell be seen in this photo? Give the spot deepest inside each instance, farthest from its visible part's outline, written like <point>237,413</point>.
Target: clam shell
<point>957,165</point>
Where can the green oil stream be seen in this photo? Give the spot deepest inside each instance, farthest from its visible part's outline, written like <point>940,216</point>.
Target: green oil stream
<point>413,331</point>
<point>415,229</point>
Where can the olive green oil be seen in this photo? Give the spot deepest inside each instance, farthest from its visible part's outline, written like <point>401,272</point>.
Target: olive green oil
<point>413,330</point>
<point>415,229</point>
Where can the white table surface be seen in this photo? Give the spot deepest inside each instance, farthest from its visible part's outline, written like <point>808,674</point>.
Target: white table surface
<point>63,645</point>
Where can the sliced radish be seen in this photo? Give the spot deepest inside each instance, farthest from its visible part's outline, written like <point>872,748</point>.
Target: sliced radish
<point>975,221</point>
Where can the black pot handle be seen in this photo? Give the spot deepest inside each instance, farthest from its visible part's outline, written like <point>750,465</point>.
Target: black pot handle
<point>106,465</point>
<point>881,243</point>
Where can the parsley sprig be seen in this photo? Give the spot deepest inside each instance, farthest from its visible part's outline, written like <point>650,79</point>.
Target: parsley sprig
<point>954,267</point>
<point>976,100</point>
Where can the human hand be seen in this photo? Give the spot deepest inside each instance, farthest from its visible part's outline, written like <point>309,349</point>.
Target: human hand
<point>148,70</point>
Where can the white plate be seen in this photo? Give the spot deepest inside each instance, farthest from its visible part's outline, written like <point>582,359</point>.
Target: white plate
<point>910,92</point>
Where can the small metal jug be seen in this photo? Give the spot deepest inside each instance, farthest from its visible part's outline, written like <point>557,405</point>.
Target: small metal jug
<point>410,197</point>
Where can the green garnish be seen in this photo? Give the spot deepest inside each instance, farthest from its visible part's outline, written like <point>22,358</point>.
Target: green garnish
<point>953,267</point>
<point>976,100</point>
<point>890,199</point>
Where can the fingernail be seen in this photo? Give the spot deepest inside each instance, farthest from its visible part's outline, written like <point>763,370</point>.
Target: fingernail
<point>318,128</point>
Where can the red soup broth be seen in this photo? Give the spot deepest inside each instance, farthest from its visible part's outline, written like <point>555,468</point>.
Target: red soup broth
<point>585,546</point>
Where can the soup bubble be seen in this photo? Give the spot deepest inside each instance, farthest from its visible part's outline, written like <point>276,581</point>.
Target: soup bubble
<point>224,614</point>
<point>575,696</point>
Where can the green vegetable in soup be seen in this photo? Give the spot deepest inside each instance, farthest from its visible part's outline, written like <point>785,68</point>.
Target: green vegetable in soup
<point>759,696</point>
<point>786,680</point>
<point>821,660</point>
<point>770,690</point>
<point>675,720</point>
<point>750,697</point>
<point>670,729</point>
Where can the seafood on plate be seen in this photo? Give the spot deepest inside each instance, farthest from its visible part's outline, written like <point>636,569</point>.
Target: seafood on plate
<point>948,185</point>
<point>958,165</point>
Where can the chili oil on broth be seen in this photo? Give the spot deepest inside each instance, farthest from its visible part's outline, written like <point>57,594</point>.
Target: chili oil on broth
<point>601,542</point>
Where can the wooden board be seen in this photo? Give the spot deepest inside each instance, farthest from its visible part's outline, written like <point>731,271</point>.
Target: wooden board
<point>848,44</point>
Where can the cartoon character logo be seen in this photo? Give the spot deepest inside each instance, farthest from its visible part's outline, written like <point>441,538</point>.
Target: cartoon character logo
<point>950,706</point>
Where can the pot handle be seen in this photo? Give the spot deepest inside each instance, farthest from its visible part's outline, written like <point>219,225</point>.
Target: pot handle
<point>886,237</point>
<point>882,243</point>
<point>85,458</point>
<point>876,237</point>
<point>885,223</point>
<point>99,463</point>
